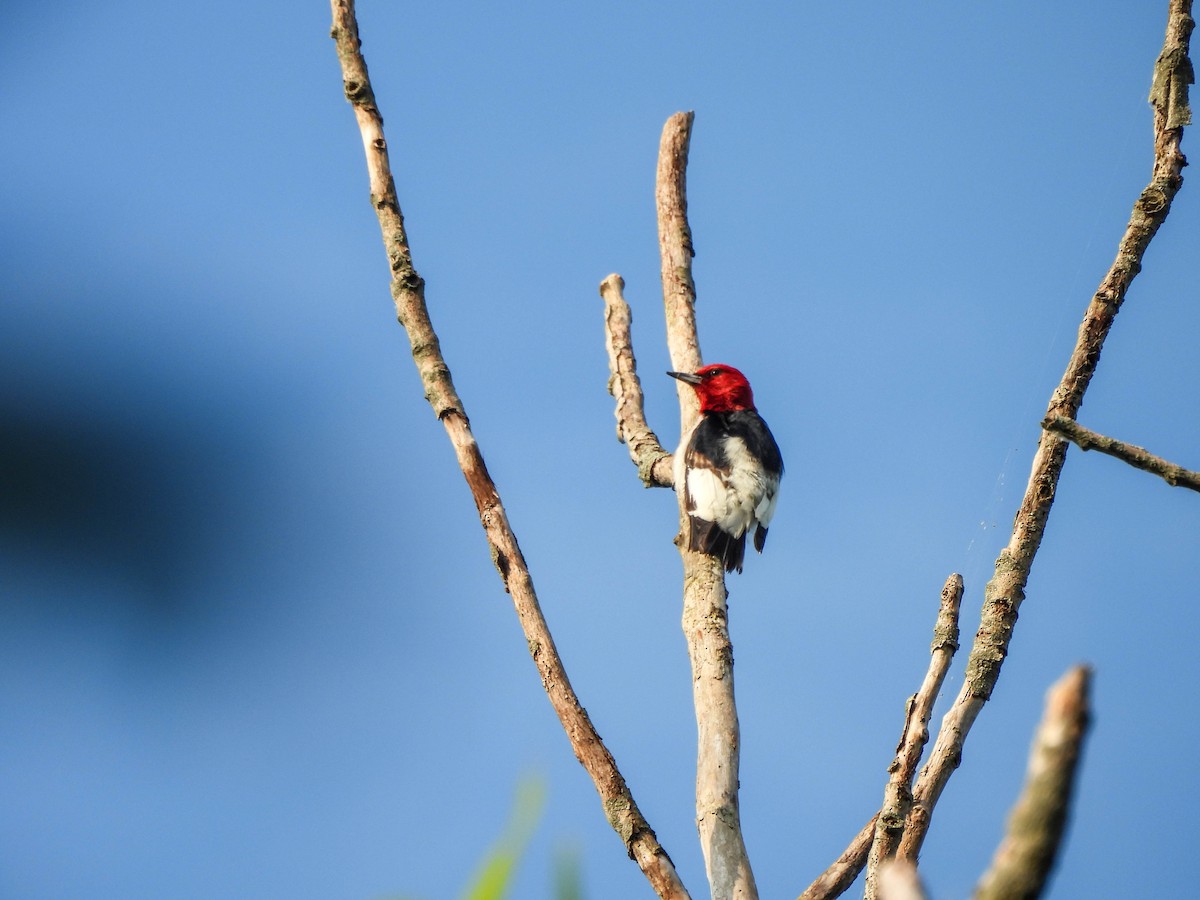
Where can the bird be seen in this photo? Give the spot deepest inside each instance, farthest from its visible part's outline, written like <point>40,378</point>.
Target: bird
<point>727,467</point>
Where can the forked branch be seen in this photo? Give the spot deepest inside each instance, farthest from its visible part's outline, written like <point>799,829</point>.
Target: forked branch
<point>408,292</point>
<point>1086,439</point>
<point>1005,592</point>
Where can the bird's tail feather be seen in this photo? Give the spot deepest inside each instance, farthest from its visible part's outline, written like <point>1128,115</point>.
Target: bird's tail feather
<point>708,538</point>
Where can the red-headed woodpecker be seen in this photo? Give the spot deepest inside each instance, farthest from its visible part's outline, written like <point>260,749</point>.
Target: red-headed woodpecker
<point>728,467</point>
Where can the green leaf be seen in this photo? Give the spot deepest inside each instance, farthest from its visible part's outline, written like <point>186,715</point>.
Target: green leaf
<point>568,878</point>
<point>496,873</point>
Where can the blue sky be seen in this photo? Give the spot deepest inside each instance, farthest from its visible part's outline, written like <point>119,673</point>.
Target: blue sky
<point>251,643</point>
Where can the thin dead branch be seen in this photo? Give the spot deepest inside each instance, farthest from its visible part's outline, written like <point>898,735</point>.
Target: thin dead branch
<point>652,461</point>
<point>1005,592</point>
<point>408,292</point>
<point>897,797</point>
<point>1139,458</point>
<point>835,880</point>
<point>1035,827</point>
<point>877,841</point>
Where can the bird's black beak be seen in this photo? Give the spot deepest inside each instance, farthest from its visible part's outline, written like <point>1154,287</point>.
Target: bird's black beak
<point>686,376</point>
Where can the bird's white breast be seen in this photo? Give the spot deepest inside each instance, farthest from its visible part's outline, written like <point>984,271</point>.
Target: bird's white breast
<point>734,498</point>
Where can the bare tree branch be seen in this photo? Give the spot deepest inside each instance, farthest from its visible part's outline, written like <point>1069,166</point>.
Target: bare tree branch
<point>897,797</point>
<point>1086,439</point>
<point>877,841</point>
<point>408,291</point>
<point>718,745</point>
<point>835,880</point>
<point>1005,592</point>
<point>898,880</point>
<point>676,250</point>
<point>652,461</point>
<point>705,607</point>
<point>1173,73</point>
<point>1035,827</point>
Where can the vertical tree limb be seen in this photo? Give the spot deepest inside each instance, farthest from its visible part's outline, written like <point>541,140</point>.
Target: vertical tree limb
<point>897,797</point>
<point>676,251</point>
<point>1036,825</point>
<point>408,292</point>
<point>1005,592</point>
<point>718,744</point>
<point>705,607</point>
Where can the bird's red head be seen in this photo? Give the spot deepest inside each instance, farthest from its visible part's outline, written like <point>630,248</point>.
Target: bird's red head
<point>721,388</point>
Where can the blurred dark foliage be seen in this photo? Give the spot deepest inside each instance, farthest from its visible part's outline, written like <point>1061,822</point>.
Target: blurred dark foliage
<point>142,503</point>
